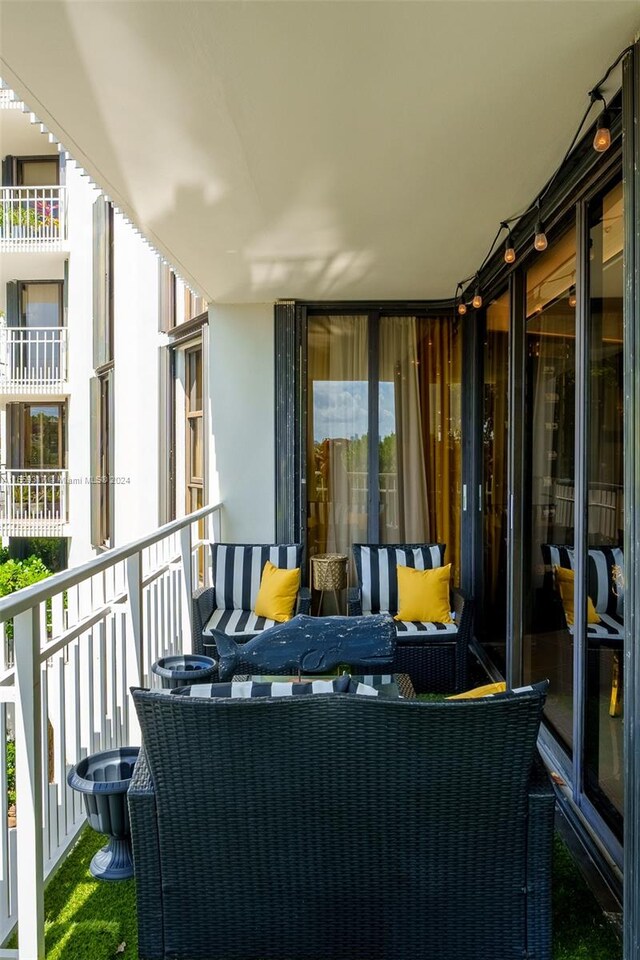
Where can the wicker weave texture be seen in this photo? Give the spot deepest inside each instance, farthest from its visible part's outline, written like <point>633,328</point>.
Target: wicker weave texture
<point>342,827</point>
<point>329,571</point>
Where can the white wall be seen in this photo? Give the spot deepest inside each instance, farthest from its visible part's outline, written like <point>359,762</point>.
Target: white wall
<point>135,391</point>
<point>241,420</point>
<point>81,196</point>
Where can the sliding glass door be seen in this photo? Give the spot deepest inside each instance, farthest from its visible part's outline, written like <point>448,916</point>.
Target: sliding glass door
<point>337,433</point>
<point>604,708</point>
<point>384,432</point>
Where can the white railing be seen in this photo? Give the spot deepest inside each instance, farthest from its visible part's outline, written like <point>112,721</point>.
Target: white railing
<point>33,359</point>
<point>31,216</point>
<point>81,639</point>
<point>33,502</point>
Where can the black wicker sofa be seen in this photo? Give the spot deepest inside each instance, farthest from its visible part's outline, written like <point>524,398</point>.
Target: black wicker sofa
<point>435,655</point>
<point>302,828</point>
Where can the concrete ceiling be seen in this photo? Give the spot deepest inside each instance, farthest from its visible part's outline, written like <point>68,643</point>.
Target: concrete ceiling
<point>321,150</point>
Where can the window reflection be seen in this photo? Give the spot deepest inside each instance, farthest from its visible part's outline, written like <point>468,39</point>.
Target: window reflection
<point>549,495</point>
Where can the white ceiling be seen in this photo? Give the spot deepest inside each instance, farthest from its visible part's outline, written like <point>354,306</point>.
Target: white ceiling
<point>321,150</point>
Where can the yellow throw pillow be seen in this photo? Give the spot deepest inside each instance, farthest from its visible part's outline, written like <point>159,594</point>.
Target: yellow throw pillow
<point>565,579</point>
<point>277,594</point>
<point>487,690</point>
<point>424,594</point>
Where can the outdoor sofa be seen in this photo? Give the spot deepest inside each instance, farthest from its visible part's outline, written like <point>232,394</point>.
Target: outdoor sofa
<point>227,607</point>
<point>434,654</point>
<point>349,827</point>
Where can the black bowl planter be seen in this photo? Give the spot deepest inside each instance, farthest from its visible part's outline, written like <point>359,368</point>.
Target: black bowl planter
<point>103,780</point>
<point>185,669</point>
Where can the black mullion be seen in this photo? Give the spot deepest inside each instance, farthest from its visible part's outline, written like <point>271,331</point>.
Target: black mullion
<point>631,179</point>
<point>373,469</point>
<point>472,506</point>
<point>580,480</point>
<point>302,420</point>
<point>515,554</point>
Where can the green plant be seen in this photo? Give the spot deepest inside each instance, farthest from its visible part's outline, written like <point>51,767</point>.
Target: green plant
<point>11,772</point>
<point>15,574</point>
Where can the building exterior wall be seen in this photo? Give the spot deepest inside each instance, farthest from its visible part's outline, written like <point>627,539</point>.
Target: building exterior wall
<point>135,422</point>
<point>241,414</point>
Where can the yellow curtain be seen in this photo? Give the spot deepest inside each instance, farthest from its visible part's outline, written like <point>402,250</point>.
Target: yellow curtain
<point>440,359</point>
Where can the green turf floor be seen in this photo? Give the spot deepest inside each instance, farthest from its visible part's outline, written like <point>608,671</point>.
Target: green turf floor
<point>87,919</point>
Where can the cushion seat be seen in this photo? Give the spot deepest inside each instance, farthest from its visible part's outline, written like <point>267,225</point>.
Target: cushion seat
<point>419,629</point>
<point>236,623</point>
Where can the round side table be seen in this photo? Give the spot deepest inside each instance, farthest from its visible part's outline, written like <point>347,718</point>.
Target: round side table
<point>329,572</point>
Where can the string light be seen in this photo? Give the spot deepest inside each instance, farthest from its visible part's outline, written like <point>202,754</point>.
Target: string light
<point>602,139</point>
<point>509,250</point>
<point>601,143</point>
<point>540,241</point>
<point>572,296</point>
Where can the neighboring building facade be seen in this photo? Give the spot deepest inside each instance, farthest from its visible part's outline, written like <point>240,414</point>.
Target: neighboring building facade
<point>85,417</point>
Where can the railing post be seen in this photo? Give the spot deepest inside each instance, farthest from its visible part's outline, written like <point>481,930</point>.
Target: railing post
<point>135,626</point>
<point>28,722</point>
<point>187,587</point>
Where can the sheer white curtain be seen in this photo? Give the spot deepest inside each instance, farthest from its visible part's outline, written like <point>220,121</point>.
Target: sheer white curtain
<point>405,517</point>
<point>338,431</point>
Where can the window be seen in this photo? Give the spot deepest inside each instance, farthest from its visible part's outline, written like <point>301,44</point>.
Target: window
<point>102,460</point>
<point>41,303</point>
<point>102,282</point>
<point>167,298</point>
<point>37,435</point>
<point>37,171</point>
<point>194,430</point>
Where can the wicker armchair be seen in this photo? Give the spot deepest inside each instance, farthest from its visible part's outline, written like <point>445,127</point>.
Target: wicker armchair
<point>434,655</point>
<point>340,826</point>
<point>226,606</point>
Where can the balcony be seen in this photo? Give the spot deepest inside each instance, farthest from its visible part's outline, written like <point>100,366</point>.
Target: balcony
<point>32,218</point>
<point>33,503</point>
<point>33,360</point>
<point>81,639</point>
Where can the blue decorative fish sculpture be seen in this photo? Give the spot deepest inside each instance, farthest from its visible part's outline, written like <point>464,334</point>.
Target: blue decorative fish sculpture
<point>311,645</point>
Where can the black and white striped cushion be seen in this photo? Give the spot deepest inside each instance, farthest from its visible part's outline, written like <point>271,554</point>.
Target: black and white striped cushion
<point>541,687</point>
<point>603,587</point>
<point>420,629</point>
<point>237,623</point>
<point>377,564</point>
<point>237,569</point>
<point>250,689</point>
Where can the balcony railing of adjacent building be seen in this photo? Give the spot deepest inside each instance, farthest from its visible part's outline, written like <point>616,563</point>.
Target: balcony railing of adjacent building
<point>81,639</point>
<point>33,360</point>
<point>33,503</point>
<point>32,217</point>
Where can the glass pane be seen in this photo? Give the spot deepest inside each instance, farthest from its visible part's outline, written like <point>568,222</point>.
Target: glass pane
<point>420,432</point>
<point>41,305</point>
<point>195,447</point>
<point>605,465</point>
<point>42,437</point>
<point>38,173</point>
<point>549,478</point>
<point>338,433</point>
<point>495,463</point>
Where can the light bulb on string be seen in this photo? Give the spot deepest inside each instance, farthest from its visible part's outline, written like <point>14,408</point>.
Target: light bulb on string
<point>477,298</point>
<point>572,296</point>
<point>602,139</point>
<point>540,241</point>
<point>509,251</point>
<point>462,308</point>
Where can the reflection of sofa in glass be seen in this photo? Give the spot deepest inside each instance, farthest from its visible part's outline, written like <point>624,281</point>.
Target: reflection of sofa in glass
<point>605,587</point>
